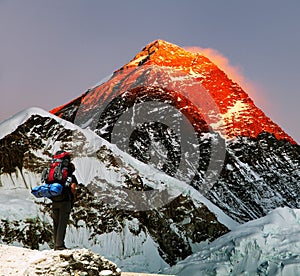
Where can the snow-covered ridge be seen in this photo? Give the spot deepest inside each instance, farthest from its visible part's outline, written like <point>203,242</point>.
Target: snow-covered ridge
<point>12,123</point>
<point>266,246</point>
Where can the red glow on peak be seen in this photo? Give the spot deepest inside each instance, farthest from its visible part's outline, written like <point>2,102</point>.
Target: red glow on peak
<point>208,68</point>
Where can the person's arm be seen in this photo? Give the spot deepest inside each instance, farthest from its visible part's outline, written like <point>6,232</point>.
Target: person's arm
<point>73,189</point>
<point>73,185</point>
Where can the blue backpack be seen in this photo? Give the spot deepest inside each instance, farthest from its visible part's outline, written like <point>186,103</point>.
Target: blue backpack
<point>55,177</point>
<point>47,190</point>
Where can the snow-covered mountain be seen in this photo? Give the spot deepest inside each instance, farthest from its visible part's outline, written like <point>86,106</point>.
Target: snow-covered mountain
<point>218,140</point>
<point>127,211</point>
<point>171,154</point>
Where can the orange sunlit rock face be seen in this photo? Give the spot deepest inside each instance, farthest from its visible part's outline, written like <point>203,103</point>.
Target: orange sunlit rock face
<point>163,64</point>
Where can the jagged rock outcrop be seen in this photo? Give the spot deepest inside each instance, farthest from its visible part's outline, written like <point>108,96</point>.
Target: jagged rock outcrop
<point>25,262</point>
<point>74,262</point>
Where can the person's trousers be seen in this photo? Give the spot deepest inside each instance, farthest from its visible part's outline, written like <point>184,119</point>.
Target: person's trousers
<point>60,214</point>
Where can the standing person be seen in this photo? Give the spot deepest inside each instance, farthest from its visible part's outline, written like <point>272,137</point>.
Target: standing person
<point>62,204</point>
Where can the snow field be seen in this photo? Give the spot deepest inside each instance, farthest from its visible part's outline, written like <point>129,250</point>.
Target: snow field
<point>265,246</point>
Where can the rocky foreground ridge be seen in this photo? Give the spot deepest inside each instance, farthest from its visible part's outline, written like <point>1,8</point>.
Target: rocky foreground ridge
<point>21,261</point>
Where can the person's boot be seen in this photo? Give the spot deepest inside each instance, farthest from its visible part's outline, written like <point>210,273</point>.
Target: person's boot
<point>60,247</point>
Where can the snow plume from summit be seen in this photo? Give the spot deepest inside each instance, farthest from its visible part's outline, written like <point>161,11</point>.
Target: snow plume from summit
<point>234,72</point>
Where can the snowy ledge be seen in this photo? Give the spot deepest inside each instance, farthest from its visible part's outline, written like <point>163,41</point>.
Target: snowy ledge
<point>12,123</point>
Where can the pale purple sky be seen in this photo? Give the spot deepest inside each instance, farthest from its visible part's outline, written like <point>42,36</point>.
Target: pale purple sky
<point>51,51</point>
